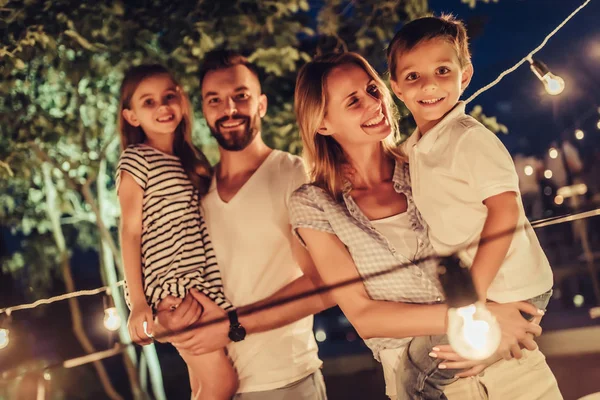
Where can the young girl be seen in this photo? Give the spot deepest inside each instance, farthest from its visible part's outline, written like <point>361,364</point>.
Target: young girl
<point>166,248</point>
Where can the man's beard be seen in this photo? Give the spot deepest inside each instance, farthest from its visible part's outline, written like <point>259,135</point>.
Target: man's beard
<point>236,141</point>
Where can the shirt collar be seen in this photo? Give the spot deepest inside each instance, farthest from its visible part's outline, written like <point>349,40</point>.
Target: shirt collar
<point>426,142</point>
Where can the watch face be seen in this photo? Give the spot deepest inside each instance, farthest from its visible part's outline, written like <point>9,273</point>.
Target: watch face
<point>237,333</point>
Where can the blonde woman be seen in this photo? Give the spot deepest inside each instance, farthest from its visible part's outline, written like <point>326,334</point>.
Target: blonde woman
<point>357,217</point>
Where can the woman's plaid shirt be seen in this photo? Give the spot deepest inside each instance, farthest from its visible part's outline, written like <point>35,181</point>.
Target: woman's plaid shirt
<point>408,281</point>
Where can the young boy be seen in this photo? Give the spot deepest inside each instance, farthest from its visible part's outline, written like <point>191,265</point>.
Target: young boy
<point>465,185</point>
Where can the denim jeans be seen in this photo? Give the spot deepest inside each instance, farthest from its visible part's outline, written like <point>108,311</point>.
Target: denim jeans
<point>418,376</point>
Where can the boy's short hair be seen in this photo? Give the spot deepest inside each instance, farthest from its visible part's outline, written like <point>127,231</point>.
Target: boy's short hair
<point>220,59</point>
<point>419,30</point>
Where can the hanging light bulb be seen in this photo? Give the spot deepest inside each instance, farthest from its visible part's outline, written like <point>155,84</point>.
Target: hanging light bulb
<point>473,331</point>
<point>598,124</point>
<point>548,174</point>
<point>579,134</point>
<point>553,153</point>
<point>553,84</point>
<point>528,170</point>
<point>4,332</point>
<point>112,320</point>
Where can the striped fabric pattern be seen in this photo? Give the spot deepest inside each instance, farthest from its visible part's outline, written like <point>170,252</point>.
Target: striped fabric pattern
<point>177,254</point>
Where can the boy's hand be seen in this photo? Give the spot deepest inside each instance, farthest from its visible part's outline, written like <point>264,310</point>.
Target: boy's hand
<point>141,314</point>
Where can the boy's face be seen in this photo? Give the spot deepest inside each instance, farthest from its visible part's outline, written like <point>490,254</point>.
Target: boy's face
<point>430,80</point>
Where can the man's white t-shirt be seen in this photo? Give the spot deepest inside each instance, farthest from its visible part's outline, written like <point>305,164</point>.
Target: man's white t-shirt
<point>252,239</point>
<point>454,167</point>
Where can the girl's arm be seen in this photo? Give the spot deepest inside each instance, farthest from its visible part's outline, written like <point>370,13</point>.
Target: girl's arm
<point>370,318</point>
<point>130,199</point>
<point>500,224</point>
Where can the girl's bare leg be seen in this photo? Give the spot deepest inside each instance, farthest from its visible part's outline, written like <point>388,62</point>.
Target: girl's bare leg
<point>214,374</point>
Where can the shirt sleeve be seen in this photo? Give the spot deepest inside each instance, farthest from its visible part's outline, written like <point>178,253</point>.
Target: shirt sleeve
<point>134,163</point>
<point>485,163</point>
<point>305,212</point>
<point>297,177</point>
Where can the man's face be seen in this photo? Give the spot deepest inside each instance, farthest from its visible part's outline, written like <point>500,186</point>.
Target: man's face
<point>233,106</point>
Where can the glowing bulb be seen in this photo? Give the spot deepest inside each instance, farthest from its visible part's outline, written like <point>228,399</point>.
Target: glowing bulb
<point>559,200</point>
<point>528,170</point>
<point>320,335</point>
<point>4,339</point>
<point>553,152</point>
<point>112,320</point>
<point>554,84</point>
<point>579,134</point>
<point>473,331</point>
<point>578,300</point>
<point>547,174</point>
<point>598,124</point>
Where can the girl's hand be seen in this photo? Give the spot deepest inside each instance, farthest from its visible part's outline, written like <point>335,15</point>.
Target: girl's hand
<point>454,361</point>
<point>141,315</point>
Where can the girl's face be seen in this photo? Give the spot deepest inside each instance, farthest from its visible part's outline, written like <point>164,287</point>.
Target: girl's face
<point>156,106</point>
<point>355,113</point>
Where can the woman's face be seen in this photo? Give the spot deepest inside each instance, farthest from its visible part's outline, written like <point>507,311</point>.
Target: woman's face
<point>355,113</point>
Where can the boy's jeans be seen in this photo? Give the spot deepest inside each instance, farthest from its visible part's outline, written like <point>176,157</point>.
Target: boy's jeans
<point>418,376</point>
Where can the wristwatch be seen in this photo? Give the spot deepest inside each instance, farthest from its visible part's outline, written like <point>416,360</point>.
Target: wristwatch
<point>237,333</point>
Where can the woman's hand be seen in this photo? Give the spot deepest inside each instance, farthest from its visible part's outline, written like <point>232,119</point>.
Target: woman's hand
<point>141,314</point>
<point>516,330</point>
<point>454,361</point>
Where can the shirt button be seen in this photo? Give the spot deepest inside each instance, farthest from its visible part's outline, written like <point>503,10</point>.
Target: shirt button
<point>393,250</point>
<point>419,273</point>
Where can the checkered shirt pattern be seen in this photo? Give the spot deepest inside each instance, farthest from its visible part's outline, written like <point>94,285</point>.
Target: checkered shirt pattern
<point>311,207</point>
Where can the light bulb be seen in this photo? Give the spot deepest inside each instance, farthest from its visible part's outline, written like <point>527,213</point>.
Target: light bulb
<point>4,338</point>
<point>320,335</point>
<point>598,124</point>
<point>547,174</point>
<point>553,84</point>
<point>112,320</point>
<point>528,170</point>
<point>473,331</point>
<point>579,134</point>
<point>553,152</point>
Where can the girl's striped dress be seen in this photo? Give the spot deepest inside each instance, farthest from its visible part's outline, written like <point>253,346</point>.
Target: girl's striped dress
<point>177,254</point>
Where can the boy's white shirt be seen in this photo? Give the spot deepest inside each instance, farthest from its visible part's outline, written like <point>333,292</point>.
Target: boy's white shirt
<point>251,237</point>
<point>454,167</point>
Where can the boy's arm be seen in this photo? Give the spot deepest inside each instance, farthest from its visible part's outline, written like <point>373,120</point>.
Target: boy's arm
<point>496,237</point>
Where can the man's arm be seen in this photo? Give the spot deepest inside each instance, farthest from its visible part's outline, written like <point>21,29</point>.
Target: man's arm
<point>273,312</point>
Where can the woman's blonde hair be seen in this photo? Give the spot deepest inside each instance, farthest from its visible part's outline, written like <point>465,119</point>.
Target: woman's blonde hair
<point>323,155</point>
<point>194,162</point>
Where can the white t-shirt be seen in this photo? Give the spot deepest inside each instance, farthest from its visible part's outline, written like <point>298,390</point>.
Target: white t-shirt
<point>252,239</point>
<point>453,168</point>
<point>398,231</point>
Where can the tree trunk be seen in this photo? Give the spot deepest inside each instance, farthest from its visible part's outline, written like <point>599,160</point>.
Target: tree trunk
<point>110,272</point>
<point>53,211</point>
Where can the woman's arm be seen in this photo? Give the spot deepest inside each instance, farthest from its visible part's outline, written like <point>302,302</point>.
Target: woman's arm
<point>130,199</point>
<point>370,318</point>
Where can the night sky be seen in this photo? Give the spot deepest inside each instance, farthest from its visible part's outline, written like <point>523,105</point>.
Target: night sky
<point>504,32</point>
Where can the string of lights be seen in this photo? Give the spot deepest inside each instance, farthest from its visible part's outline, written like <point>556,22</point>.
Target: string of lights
<point>554,85</point>
<point>119,348</point>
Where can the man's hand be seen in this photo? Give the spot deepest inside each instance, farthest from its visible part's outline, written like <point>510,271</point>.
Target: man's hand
<point>173,315</point>
<point>454,361</point>
<point>207,338</point>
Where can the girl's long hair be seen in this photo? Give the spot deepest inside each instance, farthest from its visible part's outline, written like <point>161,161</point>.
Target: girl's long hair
<point>194,162</point>
<point>323,155</point>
